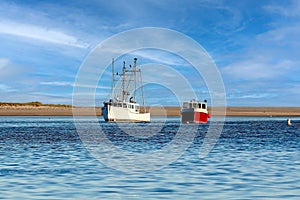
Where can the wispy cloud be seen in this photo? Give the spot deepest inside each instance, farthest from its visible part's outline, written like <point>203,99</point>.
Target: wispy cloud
<point>44,34</point>
<point>281,35</point>
<point>3,62</point>
<point>289,10</point>
<point>72,84</point>
<point>255,96</point>
<point>258,68</point>
<point>57,83</point>
<point>159,56</point>
<point>6,88</point>
<point>10,70</point>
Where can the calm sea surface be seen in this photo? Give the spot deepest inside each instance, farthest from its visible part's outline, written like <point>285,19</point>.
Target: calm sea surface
<point>254,158</point>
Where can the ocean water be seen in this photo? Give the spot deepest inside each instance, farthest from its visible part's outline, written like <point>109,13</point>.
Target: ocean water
<point>45,158</point>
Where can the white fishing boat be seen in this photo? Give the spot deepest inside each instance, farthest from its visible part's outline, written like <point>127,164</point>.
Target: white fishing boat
<point>123,105</point>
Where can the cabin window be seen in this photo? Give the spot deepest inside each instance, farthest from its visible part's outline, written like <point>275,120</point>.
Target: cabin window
<point>199,105</point>
<point>185,104</point>
<point>203,106</point>
<point>195,105</point>
<point>124,105</point>
<point>119,104</point>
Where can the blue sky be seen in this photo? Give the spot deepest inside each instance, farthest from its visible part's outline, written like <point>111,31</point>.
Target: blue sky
<point>255,45</point>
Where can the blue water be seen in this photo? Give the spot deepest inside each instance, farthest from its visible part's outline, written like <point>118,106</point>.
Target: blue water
<point>254,158</point>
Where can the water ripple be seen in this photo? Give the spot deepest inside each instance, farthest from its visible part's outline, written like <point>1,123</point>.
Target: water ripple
<point>255,158</point>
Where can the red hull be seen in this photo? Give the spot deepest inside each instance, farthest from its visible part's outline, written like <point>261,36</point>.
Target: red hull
<point>200,117</point>
<point>194,117</point>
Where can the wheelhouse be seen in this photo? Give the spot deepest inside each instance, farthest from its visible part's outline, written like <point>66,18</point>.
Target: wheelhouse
<point>201,105</point>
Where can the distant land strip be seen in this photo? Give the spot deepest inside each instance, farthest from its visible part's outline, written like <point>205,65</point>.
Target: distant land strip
<point>33,104</point>
<point>40,109</point>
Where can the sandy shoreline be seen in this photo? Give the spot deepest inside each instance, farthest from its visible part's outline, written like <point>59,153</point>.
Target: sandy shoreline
<point>155,111</point>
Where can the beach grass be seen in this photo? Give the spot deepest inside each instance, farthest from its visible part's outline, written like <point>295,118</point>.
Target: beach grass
<point>33,103</point>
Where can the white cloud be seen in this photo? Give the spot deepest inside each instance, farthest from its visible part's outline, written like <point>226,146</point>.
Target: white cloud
<point>257,69</point>
<point>72,84</point>
<point>9,69</point>
<point>291,10</point>
<point>293,89</point>
<point>284,35</point>
<point>40,33</point>
<point>160,56</point>
<point>57,83</point>
<point>3,62</point>
<point>6,88</point>
<point>255,96</point>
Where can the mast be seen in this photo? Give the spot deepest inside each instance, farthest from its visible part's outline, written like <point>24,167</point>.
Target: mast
<point>123,81</point>
<point>134,71</point>
<point>113,76</point>
<point>142,87</point>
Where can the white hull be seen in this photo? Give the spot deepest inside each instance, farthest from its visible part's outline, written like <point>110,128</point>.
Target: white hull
<point>112,113</point>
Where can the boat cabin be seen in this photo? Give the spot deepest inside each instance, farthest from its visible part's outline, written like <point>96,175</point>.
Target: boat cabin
<point>131,106</point>
<point>194,104</point>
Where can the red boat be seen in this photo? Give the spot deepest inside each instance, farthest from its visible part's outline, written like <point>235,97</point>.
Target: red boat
<point>194,112</point>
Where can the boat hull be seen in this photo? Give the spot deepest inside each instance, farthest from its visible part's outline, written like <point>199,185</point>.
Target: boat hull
<point>194,116</point>
<point>119,114</point>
